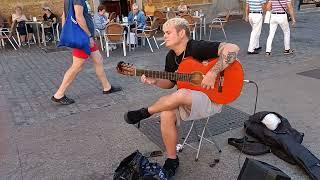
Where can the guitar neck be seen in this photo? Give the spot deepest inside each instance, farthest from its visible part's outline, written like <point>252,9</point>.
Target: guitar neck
<point>164,75</point>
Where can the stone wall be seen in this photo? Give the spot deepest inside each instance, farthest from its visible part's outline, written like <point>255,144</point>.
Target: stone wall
<point>32,7</point>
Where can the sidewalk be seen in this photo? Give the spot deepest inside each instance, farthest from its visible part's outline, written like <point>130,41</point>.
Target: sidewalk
<point>87,140</point>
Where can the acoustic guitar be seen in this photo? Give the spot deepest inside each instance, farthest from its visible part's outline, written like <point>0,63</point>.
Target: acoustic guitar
<point>228,84</point>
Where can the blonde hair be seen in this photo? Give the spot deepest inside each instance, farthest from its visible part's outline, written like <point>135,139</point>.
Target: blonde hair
<point>135,5</point>
<point>179,24</point>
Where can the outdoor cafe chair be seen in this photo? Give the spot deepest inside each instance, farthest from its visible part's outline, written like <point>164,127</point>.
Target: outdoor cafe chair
<point>192,24</point>
<point>148,33</point>
<point>5,34</point>
<point>219,23</point>
<point>115,34</point>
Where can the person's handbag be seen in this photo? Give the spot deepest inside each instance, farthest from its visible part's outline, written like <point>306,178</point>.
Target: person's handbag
<point>72,35</point>
<point>288,15</point>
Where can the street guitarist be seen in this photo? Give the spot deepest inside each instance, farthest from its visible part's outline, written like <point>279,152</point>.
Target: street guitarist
<point>184,104</point>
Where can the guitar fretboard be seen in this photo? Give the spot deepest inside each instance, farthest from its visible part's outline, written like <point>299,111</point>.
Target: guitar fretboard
<point>164,75</point>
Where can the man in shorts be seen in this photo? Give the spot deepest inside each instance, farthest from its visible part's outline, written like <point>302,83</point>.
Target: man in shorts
<point>184,104</point>
<point>85,21</point>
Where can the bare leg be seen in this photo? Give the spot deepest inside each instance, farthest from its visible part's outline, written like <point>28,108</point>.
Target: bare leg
<point>23,38</point>
<point>30,36</point>
<point>169,132</point>
<point>98,66</point>
<point>69,76</point>
<point>171,102</point>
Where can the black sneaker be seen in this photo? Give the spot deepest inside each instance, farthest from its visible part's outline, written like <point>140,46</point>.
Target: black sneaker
<point>133,117</point>
<point>258,48</point>
<point>254,52</point>
<point>64,100</point>
<point>170,166</point>
<point>112,90</point>
<point>268,53</point>
<point>289,51</point>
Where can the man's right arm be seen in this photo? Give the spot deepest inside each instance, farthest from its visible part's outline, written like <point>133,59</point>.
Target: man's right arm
<point>78,9</point>
<point>247,12</point>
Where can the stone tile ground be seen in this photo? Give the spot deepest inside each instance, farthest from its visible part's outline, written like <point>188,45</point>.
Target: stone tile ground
<point>87,140</point>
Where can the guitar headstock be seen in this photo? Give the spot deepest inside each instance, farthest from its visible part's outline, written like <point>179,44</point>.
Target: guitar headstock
<point>126,68</point>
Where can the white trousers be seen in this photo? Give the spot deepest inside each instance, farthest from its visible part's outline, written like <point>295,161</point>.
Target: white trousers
<point>282,20</point>
<point>255,20</point>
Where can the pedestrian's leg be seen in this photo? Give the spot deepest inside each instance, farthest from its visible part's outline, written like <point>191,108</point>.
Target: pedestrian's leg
<point>253,33</point>
<point>98,66</point>
<point>259,27</point>
<point>284,24</point>
<point>272,31</point>
<point>69,76</point>
<point>169,132</point>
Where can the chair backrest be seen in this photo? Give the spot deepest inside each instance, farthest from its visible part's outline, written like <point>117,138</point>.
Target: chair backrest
<point>148,21</point>
<point>159,14</point>
<point>112,17</point>
<point>171,14</point>
<point>190,20</point>
<point>114,32</point>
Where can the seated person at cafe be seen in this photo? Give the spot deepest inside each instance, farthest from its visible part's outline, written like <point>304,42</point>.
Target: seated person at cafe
<point>49,19</point>
<point>182,6</point>
<point>18,21</point>
<point>101,21</point>
<point>149,8</point>
<point>136,18</point>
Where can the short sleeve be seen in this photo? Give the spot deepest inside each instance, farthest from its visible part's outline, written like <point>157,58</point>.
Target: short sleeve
<point>203,50</point>
<point>78,2</point>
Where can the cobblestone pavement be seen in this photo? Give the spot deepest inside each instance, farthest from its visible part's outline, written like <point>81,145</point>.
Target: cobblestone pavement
<point>41,140</point>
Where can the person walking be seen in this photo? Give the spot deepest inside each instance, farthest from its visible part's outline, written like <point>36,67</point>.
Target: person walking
<point>85,21</point>
<point>254,11</point>
<point>279,10</point>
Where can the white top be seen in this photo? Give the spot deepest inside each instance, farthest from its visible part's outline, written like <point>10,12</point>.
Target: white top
<point>19,18</point>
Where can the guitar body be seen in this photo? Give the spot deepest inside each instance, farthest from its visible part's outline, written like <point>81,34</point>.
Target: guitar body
<point>232,79</point>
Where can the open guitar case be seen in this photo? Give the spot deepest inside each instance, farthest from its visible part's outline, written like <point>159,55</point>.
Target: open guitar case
<point>286,140</point>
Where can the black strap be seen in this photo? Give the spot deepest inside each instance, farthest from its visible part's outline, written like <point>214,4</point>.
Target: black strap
<point>282,6</point>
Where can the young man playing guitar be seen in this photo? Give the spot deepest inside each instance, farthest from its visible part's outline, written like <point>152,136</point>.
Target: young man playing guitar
<point>184,104</point>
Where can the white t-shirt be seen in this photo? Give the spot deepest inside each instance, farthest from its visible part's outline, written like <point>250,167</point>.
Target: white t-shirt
<point>19,18</point>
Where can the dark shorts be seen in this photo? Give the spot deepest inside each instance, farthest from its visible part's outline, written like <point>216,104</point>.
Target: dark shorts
<point>82,54</point>
<point>22,28</point>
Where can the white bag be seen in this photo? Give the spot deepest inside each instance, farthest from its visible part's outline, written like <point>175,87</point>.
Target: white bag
<point>267,17</point>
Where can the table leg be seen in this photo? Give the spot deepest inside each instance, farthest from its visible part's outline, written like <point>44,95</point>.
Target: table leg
<point>38,35</point>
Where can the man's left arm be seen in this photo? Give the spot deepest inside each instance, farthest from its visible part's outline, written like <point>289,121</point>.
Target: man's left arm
<point>291,12</point>
<point>227,53</point>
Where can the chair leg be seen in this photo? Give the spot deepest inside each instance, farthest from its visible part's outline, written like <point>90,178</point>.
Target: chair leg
<point>210,34</point>
<point>225,36</point>
<point>58,33</point>
<point>155,41</point>
<point>18,36</point>
<point>101,42</point>
<point>10,43</point>
<point>186,138</point>
<point>149,44</point>
<point>201,139</point>
<point>194,34</point>
<point>107,48</point>
<point>124,48</point>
